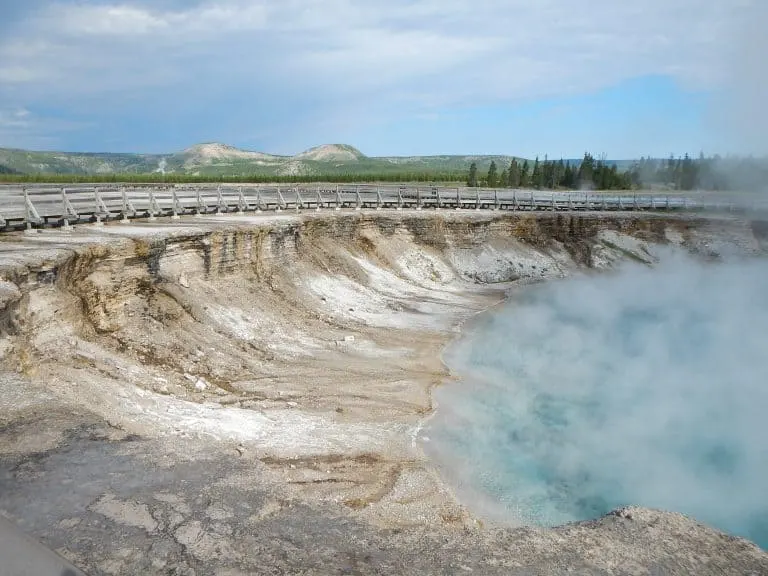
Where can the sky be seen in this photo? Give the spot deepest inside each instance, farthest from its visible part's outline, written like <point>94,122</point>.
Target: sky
<point>397,77</point>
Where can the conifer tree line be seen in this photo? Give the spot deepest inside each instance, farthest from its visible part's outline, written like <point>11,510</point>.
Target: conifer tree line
<point>681,173</point>
<point>702,173</point>
<point>590,173</point>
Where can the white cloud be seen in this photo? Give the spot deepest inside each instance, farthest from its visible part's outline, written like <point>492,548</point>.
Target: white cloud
<point>416,53</point>
<point>20,128</point>
<point>18,74</point>
<point>104,20</point>
<point>14,118</point>
<point>125,20</point>
<point>374,58</point>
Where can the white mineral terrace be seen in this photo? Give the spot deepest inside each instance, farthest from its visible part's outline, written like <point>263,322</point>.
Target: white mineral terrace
<point>245,394</point>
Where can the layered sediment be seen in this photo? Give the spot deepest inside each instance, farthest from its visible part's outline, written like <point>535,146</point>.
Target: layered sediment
<point>238,394</point>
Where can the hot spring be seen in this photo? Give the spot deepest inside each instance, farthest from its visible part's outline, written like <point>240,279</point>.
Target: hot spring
<point>642,386</point>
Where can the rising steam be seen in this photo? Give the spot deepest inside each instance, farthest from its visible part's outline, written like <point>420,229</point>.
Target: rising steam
<point>747,82</point>
<point>646,387</point>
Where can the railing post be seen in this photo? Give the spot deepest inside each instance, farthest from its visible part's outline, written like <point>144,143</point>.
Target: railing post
<point>280,201</point>
<point>219,199</point>
<point>299,199</point>
<point>127,206</point>
<point>477,198</point>
<point>124,197</point>
<point>318,198</point>
<point>154,208</point>
<point>621,204</point>
<point>399,197</point>
<point>65,212</point>
<point>418,198</point>
<point>358,198</point>
<point>67,209</point>
<point>379,201</point>
<point>570,202</point>
<point>258,199</point>
<point>495,199</point>
<point>533,201</point>
<point>667,201</point>
<point>201,207</point>
<point>31,214</point>
<point>634,201</point>
<point>101,208</point>
<point>439,199</point>
<point>242,203</point>
<point>515,204</point>
<point>458,198</point>
<point>176,204</point>
<point>338,198</point>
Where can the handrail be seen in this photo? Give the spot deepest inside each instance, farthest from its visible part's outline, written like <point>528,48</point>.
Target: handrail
<point>47,205</point>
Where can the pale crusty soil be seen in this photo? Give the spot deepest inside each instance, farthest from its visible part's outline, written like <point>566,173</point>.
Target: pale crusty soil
<point>234,395</point>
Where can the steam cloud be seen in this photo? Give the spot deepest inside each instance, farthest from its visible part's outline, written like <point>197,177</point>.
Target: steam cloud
<point>643,387</point>
<point>747,81</point>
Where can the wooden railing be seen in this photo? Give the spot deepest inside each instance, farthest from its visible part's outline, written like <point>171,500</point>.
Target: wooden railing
<point>56,205</point>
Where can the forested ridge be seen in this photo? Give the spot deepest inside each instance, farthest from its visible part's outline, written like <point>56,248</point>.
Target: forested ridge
<point>682,173</point>
<point>589,173</point>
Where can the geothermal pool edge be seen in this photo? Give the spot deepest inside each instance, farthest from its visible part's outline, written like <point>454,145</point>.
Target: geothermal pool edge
<point>134,350</point>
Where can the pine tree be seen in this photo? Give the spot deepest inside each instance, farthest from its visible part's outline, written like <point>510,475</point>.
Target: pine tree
<point>670,172</point>
<point>472,180</point>
<point>546,179</point>
<point>688,176</point>
<point>569,177</point>
<point>704,176</point>
<point>678,174</point>
<point>558,174</point>
<point>525,181</point>
<point>602,175</point>
<point>613,178</point>
<point>536,174</point>
<point>586,172</point>
<point>493,176</point>
<point>513,174</point>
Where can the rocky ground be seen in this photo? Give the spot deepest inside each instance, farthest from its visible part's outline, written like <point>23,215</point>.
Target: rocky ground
<point>241,395</point>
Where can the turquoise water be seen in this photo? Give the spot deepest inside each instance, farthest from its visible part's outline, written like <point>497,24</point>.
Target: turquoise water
<point>639,387</point>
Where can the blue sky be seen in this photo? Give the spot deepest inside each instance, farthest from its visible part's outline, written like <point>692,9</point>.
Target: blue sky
<point>401,77</point>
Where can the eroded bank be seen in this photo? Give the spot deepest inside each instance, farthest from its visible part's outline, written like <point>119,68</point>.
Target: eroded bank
<point>295,354</point>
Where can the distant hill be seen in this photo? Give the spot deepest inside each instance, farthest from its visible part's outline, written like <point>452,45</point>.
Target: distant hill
<point>217,159</point>
<point>28,162</point>
<point>331,153</point>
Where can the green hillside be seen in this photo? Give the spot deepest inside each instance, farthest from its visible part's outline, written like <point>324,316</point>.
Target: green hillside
<point>215,162</point>
<point>220,160</point>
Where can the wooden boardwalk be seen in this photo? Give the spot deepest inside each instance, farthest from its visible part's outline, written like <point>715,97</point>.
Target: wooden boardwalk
<point>35,206</point>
